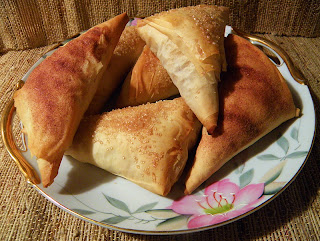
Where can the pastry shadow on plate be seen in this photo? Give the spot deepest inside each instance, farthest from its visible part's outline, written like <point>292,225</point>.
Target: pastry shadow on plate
<point>83,177</point>
<point>177,190</point>
<point>245,155</point>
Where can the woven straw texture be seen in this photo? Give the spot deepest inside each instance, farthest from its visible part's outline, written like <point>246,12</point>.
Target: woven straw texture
<point>34,23</point>
<point>30,28</point>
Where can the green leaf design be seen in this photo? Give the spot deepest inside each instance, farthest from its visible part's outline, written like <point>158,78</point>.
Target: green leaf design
<point>273,173</point>
<point>297,154</point>
<point>146,207</point>
<point>273,188</point>
<point>239,169</point>
<point>173,223</point>
<point>246,178</point>
<point>294,133</point>
<point>283,143</point>
<point>82,211</point>
<point>117,203</point>
<point>115,220</point>
<point>268,157</point>
<point>162,213</point>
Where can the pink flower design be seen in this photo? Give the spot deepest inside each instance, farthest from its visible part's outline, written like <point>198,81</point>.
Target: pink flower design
<point>134,21</point>
<point>221,201</point>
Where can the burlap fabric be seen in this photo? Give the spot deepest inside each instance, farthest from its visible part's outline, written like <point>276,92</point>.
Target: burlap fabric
<point>30,28</point>
<point>34,23</point>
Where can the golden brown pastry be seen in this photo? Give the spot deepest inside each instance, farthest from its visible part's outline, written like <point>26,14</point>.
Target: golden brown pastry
<point>146,144</point>
<point>189,44</point>
<point>125,55</point>
<point>254,100</point>
<point>147,82</point>
<point>58,92</point>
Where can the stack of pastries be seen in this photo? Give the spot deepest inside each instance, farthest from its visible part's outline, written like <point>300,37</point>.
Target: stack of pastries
<point>176,84</point>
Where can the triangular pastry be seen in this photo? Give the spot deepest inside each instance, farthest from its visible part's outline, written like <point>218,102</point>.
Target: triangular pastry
<point>124,57</point>
<point>57,93</point>
<point>189,44</point>
<point>146,144</point>
<point>254,100</point>
<point>147,82</point>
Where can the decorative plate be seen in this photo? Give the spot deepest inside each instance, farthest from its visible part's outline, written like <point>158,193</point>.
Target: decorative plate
<point>246,183</point>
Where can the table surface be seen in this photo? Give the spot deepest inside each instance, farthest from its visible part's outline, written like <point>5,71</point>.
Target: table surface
<point>293,215</point>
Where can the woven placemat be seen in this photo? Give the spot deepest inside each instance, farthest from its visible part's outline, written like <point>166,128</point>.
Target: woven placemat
<point>30,24</point>
<point>294,215</point>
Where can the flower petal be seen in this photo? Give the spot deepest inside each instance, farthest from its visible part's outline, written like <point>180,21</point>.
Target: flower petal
<point>248,194</point>
<point>206,220</point>
<point>221,190</point>
<point>188,205</point>
<point>215,186</point>
<point>237,212</point>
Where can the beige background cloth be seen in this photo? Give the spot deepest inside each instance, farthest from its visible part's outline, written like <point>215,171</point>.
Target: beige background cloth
<point>33,23</point>
<point>29,29</point>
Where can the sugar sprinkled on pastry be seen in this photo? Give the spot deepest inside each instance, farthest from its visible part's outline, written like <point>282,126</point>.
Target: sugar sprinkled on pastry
<point>189,44</point>
<point>146,144</point>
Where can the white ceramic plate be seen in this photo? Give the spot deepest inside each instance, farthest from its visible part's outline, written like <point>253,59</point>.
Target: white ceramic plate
<point>245,184</point>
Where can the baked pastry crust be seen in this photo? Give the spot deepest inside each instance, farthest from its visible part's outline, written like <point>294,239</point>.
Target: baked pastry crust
<point>189,44</point>
<point>58,91</point>
<point>124,57</point>
<point>146,144</point>
<point>254,100</point>
<point>147,82</point>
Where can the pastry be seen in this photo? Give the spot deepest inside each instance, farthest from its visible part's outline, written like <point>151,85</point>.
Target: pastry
<point>189,44</point>
<point>146,144</point>
<point>147,82</point>
<point>57,93</point>
<point>124,57</point>
<point>254,100</point>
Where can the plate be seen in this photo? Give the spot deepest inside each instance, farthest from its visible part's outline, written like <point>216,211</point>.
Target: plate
<point>251,179</point>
